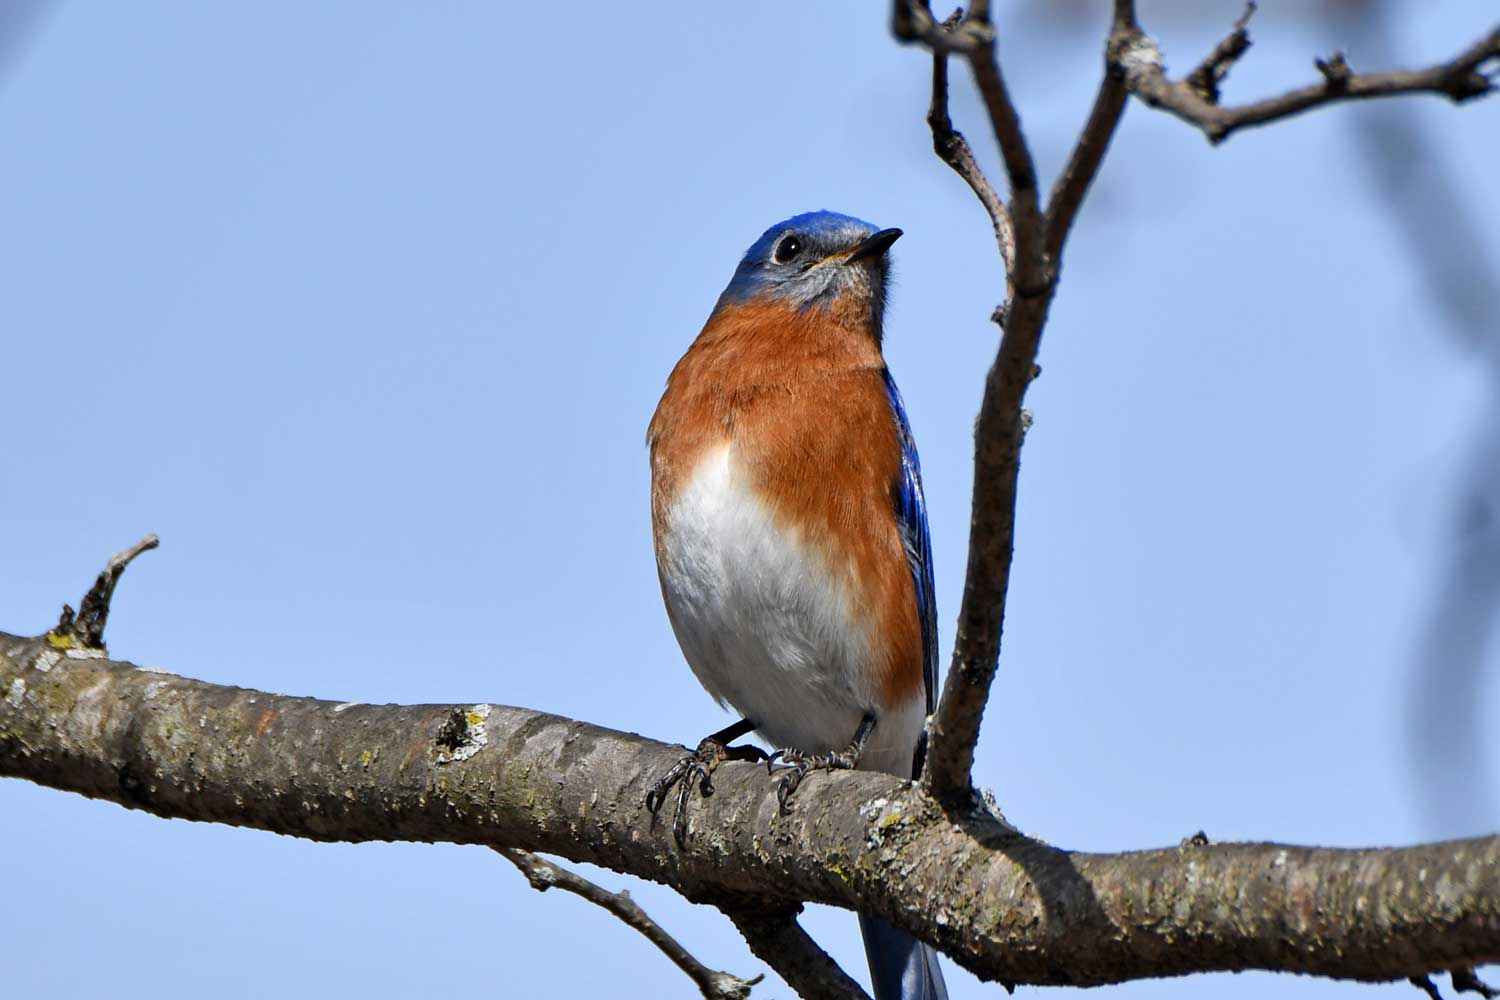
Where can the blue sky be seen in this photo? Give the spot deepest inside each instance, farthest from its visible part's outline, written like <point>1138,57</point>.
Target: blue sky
<point>364,309</point>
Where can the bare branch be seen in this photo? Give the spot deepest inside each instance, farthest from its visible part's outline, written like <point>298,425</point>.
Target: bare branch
<point>1088,153</point>
<point>1030,244</point>
<point>953,149</point>
<point>912,21</point>
<point>1032,255</point>
<point>544,875</point>
<point>1005,906</point>
<point>1204,81</point>
<point>1194,99</point>
<point>777,939</point>
<point>1030,272</point>
<point>1020,232</point>
<point>86,631</point>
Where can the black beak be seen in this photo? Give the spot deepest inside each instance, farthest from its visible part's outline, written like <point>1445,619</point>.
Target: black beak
<point>873,246</point>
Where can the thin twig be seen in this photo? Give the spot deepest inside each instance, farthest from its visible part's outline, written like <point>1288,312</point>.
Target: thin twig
<point>779,940</point>
<point>1468,75</point>
<point>1204,81</point>
<point>953,149</point>
<point>1030,270</point>
<point>1093,142</point>
<point>544,875</point>
<point>86,629</point>
<point>912,21</point>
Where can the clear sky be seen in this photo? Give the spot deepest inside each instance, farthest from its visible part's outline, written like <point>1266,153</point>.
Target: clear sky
<point>364,308</point>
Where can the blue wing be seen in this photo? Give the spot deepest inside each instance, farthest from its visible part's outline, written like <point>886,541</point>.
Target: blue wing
<point>900,965</point>
<point>911,512</point>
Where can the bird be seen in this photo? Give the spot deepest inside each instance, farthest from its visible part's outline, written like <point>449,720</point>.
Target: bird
<point>791,534</point>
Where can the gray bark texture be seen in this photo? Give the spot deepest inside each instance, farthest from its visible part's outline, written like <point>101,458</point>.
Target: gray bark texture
<point>1002,904</point>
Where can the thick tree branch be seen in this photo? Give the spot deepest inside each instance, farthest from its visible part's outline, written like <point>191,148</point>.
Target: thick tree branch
<point>1194,99</point>
<point>544,875</point>
<point>1006,906</point>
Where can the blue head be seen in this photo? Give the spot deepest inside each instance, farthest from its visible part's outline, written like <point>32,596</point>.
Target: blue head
<point>815,259</point>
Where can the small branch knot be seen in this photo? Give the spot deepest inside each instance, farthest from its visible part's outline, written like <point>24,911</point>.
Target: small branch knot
<point>906,20</point>
<point>912,21</point>
<point>1468,84</point>
<point>85,628</point>
<point>462,734</point>
<point>1336,72</point>
<point>1140,59</point>
<point>1205,79</point>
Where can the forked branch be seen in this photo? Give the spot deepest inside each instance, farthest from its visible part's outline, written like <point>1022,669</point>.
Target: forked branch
<point>1031,243</point>
<point>1195,98</point>
<point>953,149</point>
<point>544,875</point>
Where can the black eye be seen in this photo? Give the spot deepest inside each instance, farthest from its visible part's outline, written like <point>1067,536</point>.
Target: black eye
<point>788,248</point>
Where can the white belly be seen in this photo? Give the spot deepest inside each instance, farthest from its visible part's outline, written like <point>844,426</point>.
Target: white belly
<point>767,628</point>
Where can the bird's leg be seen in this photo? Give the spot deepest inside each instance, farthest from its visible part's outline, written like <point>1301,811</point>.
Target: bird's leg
<point>699,767</point>
<point>798,764</point>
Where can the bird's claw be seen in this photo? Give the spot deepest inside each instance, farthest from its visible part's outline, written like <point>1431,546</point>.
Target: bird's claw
<point>695,768</point>
<point>799,765</point>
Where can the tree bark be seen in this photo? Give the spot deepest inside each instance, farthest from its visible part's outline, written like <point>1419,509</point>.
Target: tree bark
<point>1004,905</point>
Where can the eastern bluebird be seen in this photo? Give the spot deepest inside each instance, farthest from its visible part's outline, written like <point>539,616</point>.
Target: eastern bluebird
<point>791,532</point>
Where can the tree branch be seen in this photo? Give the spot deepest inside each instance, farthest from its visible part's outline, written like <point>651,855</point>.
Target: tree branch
<point>953,149</point>
<point>1032,255</point>
<point>1195,98</point>
<point>1003,905</point>
<point>777,939</point>
<point>1088,153</point>
<point>1030,245</point>
<point>1030,270</point>
<point>1205,79</point>
<point>544,875</point>
<point>86,630</point>
<point>954,729</point>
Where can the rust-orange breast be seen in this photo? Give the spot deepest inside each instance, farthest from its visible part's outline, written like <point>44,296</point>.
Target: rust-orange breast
<point>800,397</point>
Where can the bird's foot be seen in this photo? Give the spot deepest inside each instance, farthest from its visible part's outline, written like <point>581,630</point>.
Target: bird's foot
<point>797,765</point>
<point>697,768</point>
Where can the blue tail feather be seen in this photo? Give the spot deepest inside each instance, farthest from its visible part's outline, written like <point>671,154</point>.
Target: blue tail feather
<point>901,967</point>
